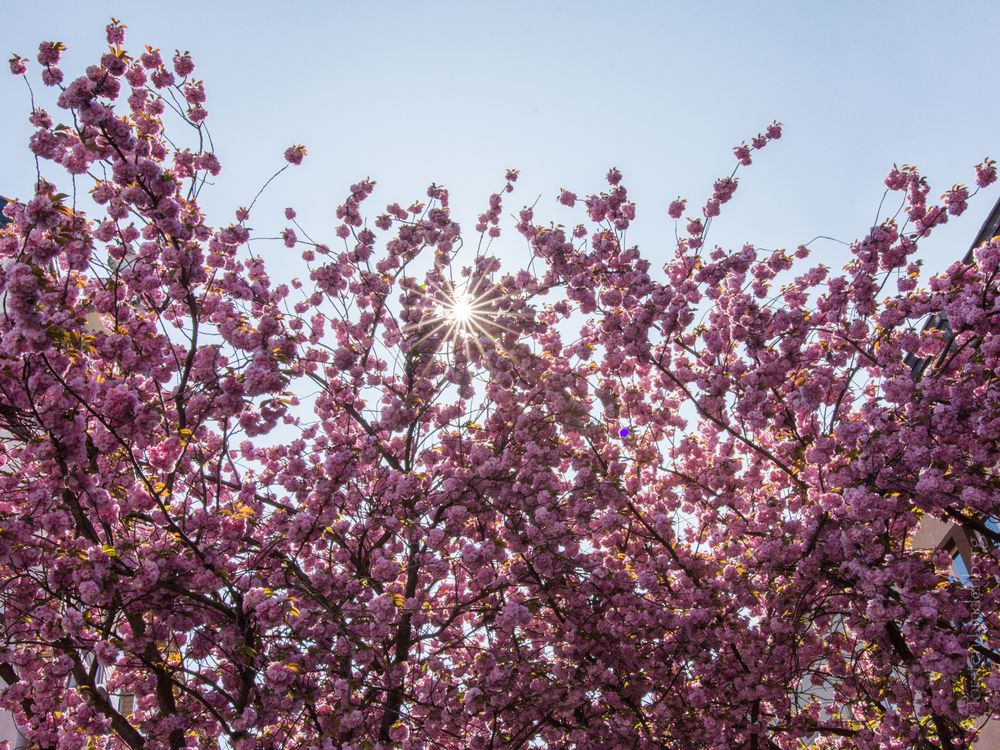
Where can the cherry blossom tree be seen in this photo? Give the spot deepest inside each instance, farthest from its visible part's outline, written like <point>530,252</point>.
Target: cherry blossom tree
<point>402,502</point>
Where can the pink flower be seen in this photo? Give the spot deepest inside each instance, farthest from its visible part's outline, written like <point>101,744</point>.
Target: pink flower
<point>17,65</point>
<point>90,592</point>
<point>896,179</point>
<point>742,153</point>
<point>279,675</point>
<point>194,92</point>
<point>567,198</point>
<point>113,64</point>
<point>986,173</point>
<point>162,78</point>
<point>294,154</point>
<point>289,237</point>
<point>352,720</point>
<point>399,732</point>
<point>151,59</point>
<point>289,213</point>
<point>209,162</point>
<point>42,212</point>
<point>956,200</point>
<point>773,131</point>
<point>52,76</point>
<point>183,64</point>
<point>106,653</point>
<point>512,615</point>
<point>725,188</point>
<point>676,208</point>
<point>50,52</point>
<point>115,32</point>
<point>136,76</point>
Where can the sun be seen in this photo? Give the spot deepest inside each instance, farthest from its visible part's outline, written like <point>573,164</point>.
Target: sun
<point>464,315</point>
<point>460,310</point>
<point>465,312</point>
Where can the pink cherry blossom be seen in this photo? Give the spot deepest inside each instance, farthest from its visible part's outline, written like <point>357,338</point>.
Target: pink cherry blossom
<point>17,65</point>
<point>986,173</point>
<point>183,64</point>
<point>567,198</point>
<point>49,53</point>
<point>399,494</point>
<point>295,154</point>
<point>676,208</point>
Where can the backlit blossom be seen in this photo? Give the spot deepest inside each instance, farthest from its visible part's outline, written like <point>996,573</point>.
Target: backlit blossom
<point>295,154</point>
<point>17,65</point>
<point>403,489</point>
<point>49,53</point>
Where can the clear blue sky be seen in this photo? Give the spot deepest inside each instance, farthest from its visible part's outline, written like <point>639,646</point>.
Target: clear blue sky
<point>455,92</point>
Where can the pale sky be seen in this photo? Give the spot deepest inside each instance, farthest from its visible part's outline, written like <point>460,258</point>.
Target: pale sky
<point>456,92</point>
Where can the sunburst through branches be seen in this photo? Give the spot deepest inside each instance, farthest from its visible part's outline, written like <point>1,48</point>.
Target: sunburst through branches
<point>464,315</point>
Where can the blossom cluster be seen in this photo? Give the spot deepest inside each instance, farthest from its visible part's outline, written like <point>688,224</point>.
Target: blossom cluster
<point>620,500</point>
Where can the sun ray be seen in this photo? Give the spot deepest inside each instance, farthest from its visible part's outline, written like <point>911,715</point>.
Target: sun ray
<point>462,314</point>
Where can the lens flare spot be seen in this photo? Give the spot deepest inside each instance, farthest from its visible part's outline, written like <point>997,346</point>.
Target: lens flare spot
<point>460,310</point>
